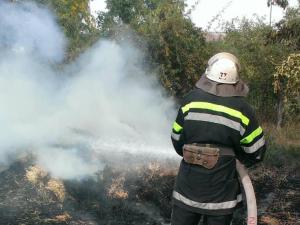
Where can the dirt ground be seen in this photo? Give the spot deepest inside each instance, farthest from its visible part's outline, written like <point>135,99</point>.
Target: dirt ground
<point>135,193</point>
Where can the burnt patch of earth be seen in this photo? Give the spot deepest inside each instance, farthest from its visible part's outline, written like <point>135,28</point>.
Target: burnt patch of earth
<point>136,192</point>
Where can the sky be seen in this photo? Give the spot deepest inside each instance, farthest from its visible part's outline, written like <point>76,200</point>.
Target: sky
<point>206,10</point>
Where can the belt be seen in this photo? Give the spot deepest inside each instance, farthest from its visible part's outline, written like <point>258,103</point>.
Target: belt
<point>205,155</point>
<point>223,149</point>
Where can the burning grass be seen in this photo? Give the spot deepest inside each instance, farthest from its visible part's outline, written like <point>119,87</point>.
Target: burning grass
<point>132,193</point>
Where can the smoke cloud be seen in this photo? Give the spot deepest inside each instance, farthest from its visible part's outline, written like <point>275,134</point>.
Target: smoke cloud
<point>28,28</point>
<point>104,102</point>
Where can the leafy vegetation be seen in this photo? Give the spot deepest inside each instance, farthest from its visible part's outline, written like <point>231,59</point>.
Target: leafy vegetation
<point>287,87</point>
<point>77,23</point>
<point>175,46</point>
<point>178,51</point>
<point>247,40</point>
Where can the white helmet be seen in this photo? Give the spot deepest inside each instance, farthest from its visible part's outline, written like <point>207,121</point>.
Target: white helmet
<point>223,68</point>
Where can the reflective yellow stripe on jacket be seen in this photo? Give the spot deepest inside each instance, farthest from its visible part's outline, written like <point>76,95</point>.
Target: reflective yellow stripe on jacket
<point>177,127</point>
<point>216,108</point>
<point>252,136</point>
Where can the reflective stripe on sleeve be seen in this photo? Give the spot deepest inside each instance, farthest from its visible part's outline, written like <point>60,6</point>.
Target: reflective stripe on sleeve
<point>177,127</point>
<point>252,136</point>
<point>176,137</point>
<point>257,145</point>
<point>209,206</point>
<point>217,108</point>
<point>215,119</point>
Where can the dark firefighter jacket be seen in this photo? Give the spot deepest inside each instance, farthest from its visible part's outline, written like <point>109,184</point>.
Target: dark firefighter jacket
<point>225,121</point>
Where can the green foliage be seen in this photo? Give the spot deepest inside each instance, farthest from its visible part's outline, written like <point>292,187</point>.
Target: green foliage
<point>248,40</point>
<point>282,3</point>
<point>178,49</point>
<point>78,25</point>
<point>126,10</point>
<point>264,51</point>
<point>120,12</point>
<point>287,31</point>
<point>174,45</point>
<point>287,83</point>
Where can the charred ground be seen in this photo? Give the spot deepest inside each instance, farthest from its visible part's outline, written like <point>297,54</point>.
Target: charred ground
<point>137,192</point>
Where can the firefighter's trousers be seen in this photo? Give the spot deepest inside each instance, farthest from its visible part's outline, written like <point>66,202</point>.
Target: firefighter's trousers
<point>181,216</point>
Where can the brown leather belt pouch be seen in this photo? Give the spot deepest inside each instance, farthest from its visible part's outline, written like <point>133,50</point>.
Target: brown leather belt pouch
<point>201,155</point>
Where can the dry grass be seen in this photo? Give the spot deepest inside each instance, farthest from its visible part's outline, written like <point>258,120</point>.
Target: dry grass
<point>63,218</point>
<point>116,189</point>
<point>133,194</point>
<point>35,174</point>
<point>38,177</point>
<point>288,136</point>
<point>157,168</point>
<point>58,189</point>
<point>269,220</point>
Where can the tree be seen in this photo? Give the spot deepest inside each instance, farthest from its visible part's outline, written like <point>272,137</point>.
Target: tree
<point>287,87</point>
<point>126,10</point>
<point>287,31</point>
<point>174,45</point>
<point>248,40</point>
<point>282,3</point>
<point>77,23</point>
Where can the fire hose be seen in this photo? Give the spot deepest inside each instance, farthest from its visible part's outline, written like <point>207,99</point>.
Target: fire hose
<point>249,191</point>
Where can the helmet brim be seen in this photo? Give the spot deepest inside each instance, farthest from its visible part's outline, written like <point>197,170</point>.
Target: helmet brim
<point>223,90</point>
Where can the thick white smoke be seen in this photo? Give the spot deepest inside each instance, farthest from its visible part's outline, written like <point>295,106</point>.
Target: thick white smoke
<point>103,102</point>
<point>26,27</point>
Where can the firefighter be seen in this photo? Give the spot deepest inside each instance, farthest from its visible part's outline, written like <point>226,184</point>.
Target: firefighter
<point>214,127</point>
